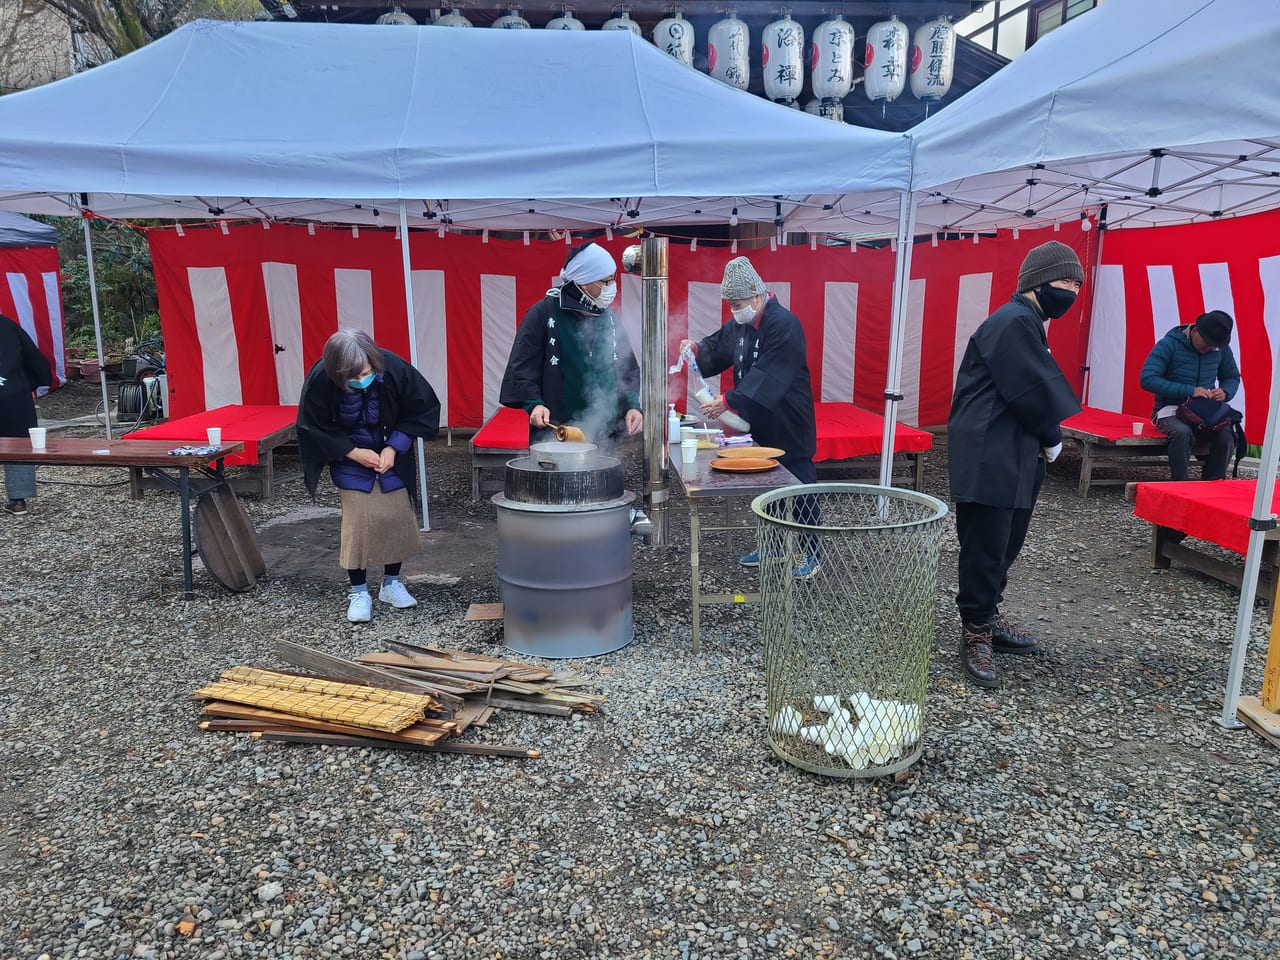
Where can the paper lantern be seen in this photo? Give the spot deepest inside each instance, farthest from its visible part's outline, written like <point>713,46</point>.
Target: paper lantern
<point>397,17</point>
<point>512,21</point>
<point>566,21</point>
<point>933,59</point>
<point>454,18</point>
<point>831,59</point>
<point>727,43</point>
<point>674,36</point>
<point>885,66</point>
<point>827,107</point>
<point>623,21</point>
<point>782,59</point>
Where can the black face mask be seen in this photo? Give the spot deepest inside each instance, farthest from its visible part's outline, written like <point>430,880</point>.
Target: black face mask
<point>1054,301</point>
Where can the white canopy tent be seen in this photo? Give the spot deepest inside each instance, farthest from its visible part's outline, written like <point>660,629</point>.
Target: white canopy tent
<point>1150,113</point>
<point>340,122</point>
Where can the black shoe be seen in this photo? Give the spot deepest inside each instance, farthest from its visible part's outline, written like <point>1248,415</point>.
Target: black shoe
<point>1006,638</point>
<point>16,507</point>
<point>975,654</point>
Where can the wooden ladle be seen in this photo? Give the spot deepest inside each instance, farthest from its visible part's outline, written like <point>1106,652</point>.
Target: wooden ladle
<point>568,433</point>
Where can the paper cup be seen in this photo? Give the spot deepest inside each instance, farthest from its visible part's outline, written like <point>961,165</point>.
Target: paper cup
<point>689,450</point>
<point>215,436</point>
<point>1137,428</point>
<point>37,435</point>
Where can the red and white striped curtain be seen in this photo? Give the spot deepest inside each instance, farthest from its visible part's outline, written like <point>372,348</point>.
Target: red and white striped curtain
<point>246,312</point>
<point>1151,280</point>
<point>29,294</point>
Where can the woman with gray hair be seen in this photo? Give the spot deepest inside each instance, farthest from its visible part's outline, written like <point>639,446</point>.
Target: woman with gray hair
<point>360,409</point>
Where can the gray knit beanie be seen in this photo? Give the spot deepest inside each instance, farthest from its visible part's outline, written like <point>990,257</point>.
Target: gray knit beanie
<point>741,281</point>
<point>1048,262</point>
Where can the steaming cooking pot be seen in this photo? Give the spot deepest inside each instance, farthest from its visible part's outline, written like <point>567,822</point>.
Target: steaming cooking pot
<point>564,455</point>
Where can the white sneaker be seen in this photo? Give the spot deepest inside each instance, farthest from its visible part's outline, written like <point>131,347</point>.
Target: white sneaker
<point>359,606</point>
<point>394,593</point>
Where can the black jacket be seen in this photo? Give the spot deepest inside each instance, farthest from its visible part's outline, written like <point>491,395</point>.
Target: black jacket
<point>408,404</point>
<point>536,369</point>
<point>22,368</point>
<point>771,378</point>
<point>1010,401</point>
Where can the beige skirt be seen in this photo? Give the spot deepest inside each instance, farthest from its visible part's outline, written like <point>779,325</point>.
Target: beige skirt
<point>377,528</point>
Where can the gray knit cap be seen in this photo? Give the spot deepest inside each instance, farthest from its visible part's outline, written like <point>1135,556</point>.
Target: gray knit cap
<point>741,282</point>
<point>1048,262</point>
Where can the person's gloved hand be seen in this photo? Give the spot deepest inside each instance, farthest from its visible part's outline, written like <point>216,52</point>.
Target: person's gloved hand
<point>1051,453</point>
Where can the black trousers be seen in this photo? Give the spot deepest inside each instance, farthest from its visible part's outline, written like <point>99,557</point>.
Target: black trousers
<point>1183,442</point>
<point>990,540</point>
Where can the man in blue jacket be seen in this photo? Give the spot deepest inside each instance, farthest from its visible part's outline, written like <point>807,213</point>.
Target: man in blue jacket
<point>1193,360</point>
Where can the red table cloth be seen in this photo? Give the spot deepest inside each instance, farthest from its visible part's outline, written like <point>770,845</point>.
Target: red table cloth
<point>507,429</point>
<point>1213,510</point>
<point>1110,425</point>
<point>246,423</point>
<point>846,431</point>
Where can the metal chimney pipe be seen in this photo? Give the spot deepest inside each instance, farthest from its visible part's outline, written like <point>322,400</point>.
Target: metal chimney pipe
<point>653,388</point>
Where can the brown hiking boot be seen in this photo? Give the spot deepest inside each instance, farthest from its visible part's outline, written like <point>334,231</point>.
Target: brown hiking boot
<point>1006,638</point>
<point>975,654</point>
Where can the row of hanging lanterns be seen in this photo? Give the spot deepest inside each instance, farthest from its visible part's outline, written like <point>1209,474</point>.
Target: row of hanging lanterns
<point>891,57</point>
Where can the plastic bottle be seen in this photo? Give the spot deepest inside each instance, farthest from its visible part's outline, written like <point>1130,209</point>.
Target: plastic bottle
<point>703,394</point>
<point>673,424</point>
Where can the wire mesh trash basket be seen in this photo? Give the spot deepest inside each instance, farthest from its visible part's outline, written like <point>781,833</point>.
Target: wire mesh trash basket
<point>848,583</point>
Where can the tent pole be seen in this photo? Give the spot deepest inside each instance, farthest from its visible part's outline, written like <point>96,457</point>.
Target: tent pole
<point>1261,519</point>
<point>413,356</point>
<point>85,217</point>
<point>901,283</point>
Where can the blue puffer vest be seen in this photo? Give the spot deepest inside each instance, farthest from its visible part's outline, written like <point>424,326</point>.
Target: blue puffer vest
<point>358,412</point>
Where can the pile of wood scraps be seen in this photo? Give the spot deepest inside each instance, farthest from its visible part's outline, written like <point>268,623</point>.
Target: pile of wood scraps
<point>409,698</point>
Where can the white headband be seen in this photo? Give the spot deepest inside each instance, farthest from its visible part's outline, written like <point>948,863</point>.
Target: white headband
<point>592,263</point>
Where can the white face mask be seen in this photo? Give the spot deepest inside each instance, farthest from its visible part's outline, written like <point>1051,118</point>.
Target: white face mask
<point>606,295</point>
<point>744,314</point>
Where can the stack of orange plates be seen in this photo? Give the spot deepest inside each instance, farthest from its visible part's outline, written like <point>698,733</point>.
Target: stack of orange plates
<point>743,464</point>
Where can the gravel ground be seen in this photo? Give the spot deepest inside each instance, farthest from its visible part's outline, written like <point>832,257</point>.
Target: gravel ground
<point>1090,807</point>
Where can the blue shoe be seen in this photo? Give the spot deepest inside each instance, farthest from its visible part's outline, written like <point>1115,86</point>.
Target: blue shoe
<point>807,569</point>
<point>752,559</point>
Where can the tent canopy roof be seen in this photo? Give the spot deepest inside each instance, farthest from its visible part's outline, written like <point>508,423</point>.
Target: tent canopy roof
<point>1166,112</point>
<point>469,124</point>
<point>17,231</point>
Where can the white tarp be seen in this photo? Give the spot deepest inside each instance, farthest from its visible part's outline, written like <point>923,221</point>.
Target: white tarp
<point>310,119</point>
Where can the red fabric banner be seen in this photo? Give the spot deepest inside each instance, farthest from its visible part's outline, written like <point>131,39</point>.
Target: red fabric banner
<point>245,312</point>
<point>29,294</point>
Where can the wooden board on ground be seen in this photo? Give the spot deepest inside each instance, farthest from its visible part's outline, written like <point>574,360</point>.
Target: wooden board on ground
<point>1266,723</point>
<point>484,611</point>
<point>226,541</point>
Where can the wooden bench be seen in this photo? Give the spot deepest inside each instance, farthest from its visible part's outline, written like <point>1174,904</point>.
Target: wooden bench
<point>1215,511</point>
<point>849,437</point>
<point>262,428</point>
<point>504,437</point>
<point>1106,439</point>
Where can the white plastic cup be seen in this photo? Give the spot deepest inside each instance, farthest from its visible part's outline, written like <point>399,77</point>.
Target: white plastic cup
<point>1137,428</point>
<point>689,450</point>
<point>215,436</point>
<point>38,436</point>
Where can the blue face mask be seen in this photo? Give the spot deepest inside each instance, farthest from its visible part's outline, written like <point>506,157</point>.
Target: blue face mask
<point>362,383</point>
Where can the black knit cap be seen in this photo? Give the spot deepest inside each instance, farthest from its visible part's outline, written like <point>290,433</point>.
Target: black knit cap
<point>1215,327</point>
<point>1048,262</point>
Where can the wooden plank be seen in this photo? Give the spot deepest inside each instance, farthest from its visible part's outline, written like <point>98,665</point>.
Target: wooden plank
<point>1262,720</point>
<point>445,746</point>
<point>466,670</point>
<point>418,733</point>
<point>485,611</point>
<point>531,706</point>
<point>225,540</point>
<point>330,665</point>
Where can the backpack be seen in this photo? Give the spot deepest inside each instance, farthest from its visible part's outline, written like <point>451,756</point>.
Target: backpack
<point>1207,417</point>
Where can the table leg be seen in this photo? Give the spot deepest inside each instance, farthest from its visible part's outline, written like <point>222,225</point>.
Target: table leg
<point>184,492</point>
<point>694,531</point>
<point>1086,468</point>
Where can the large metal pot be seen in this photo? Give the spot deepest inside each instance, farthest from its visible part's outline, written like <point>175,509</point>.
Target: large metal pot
<point>564,455</point>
